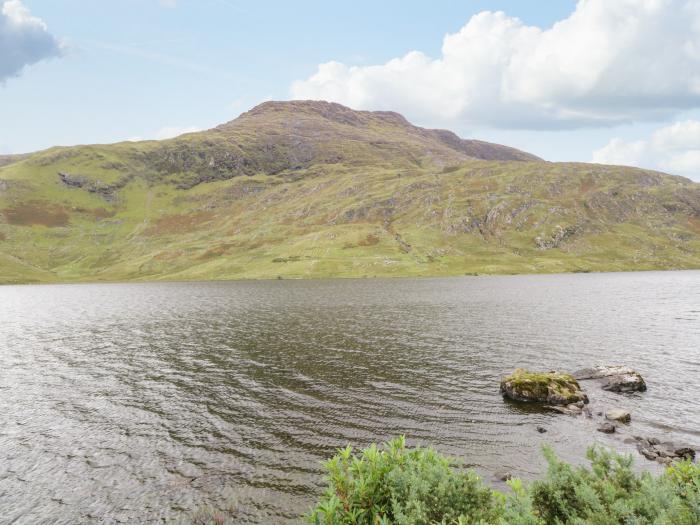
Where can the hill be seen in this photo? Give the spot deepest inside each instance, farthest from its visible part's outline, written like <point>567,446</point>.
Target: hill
<point>315,189</point>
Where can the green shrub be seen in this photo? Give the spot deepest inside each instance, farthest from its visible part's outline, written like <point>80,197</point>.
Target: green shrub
<point>610,492</point>
<point>400,486</point>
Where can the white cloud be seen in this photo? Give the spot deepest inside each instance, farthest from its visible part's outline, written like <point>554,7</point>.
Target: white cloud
<point>169,132</point>
<point>609,62</point>
<point>674,149</point>
<point>168,3</point>
<point>24,39</point>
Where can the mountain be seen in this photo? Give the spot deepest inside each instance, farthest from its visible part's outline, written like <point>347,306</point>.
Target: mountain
<point>315,189</point>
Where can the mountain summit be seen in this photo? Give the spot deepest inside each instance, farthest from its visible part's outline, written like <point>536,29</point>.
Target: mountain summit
<point>315,189</point>
<point>319,121</point>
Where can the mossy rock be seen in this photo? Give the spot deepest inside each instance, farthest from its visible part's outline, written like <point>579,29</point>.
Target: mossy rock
<point>552,388</point>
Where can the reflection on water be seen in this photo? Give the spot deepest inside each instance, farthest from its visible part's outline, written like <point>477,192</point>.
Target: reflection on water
<point>140,403</point>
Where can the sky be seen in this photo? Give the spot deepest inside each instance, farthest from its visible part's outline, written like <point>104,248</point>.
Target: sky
<point>589,80</point>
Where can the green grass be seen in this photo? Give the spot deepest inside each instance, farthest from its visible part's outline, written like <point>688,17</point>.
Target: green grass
<point>255,200</point>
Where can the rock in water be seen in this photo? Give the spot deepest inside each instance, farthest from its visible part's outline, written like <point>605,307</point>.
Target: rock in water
<point>663,452</point>
<point>503,476</point>
<point>607,428</point>
<point>685,453</point>
<point>553,388</point>
<point>614,378</point>
<point>617,414</point>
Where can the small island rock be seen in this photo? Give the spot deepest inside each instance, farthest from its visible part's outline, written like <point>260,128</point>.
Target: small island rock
<point>503,476</point>
<point>607,428</point>
<point>614,378</point>
<point>617,414</point>
<point>553,388</point>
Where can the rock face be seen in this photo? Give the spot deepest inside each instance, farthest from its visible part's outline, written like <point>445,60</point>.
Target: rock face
<point>613,378</point>
<point>552,388</point>
<point>617,414</point>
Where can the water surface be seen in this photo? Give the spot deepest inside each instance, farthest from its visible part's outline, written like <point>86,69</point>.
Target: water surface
<point>141,403</point>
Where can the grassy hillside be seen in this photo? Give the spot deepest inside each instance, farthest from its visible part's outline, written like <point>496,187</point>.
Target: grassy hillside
<point>311,189</point>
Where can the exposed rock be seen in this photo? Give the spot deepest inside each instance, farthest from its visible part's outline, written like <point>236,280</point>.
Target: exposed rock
<point>685,453</point>
<point>607,428</point>
<point>541,430</point>
<point>663,452</point>
<point>647,452</point>
<point>618,414</point>
<point>557,238</point>
<point>503,476</point>
<point>107,191</point>
<point>613,378</point>
<point>553,388</point>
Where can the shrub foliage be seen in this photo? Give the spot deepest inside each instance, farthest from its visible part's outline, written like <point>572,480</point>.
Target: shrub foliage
<point>396,485</point>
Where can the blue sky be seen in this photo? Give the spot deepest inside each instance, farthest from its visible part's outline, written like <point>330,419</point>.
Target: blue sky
<point>150,68</point>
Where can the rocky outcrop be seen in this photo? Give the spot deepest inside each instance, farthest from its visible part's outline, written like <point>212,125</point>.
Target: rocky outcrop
<point>663,452</point>
<point>613,378</point>
<point>107,191</point>
<point>558,237</point>
<point>552,388</point>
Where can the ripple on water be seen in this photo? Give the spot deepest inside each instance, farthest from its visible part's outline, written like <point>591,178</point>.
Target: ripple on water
<point>144,402</point>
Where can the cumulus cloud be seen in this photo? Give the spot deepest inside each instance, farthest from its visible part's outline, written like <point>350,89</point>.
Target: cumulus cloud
<point>169,132</point>
<point>607,63</point>
<point>24,39</point>
<point>674,149</point>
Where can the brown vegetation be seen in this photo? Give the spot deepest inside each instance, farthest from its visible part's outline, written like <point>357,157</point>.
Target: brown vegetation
<point>37,213</point>
<point>185,223</point>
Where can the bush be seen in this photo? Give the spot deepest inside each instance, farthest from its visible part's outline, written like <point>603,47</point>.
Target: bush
<point>400,486</point>
<point>610,492</point>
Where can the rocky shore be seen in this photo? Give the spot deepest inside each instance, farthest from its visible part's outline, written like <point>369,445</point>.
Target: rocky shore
<point>562,392</point>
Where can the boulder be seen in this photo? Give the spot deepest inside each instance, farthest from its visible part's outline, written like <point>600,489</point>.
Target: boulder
<point>685,453</point>
<point>503,476</point>
<point>618,414</point>
<point>647,452</point>
<point>613,378</point>
<point>607,428</point>
<point>553,388</point>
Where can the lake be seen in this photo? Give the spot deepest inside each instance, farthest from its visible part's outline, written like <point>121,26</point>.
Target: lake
<point>143,403</point>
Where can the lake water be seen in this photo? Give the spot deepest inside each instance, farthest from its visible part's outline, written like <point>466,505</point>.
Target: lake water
<point>142,403</point>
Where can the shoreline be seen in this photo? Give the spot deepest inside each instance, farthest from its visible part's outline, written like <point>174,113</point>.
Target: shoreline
<point>346,278</point>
